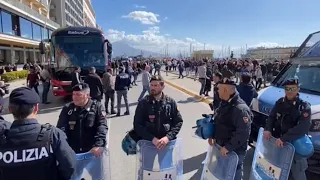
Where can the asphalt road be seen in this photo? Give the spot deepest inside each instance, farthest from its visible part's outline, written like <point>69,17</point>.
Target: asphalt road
<point>124,167</point>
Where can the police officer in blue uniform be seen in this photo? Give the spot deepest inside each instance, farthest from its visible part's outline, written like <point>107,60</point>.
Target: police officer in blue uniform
<point>30,150</point>
<point>157,118</point>
<point>216,100</point>
<point>84,122</point>
<point>233,123</point>
<point>122,85</point>
<point>289,120</point>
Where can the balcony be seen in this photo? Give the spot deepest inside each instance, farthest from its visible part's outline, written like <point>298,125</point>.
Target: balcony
<point>25,11</point>
<point>38,3</point>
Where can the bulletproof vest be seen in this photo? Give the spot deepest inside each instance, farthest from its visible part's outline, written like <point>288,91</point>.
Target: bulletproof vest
<point>287,114</point>
<point>30,160</point>
<point>77,120</point>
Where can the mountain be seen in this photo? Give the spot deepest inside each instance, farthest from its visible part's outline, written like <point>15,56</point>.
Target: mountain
<point>121,48</point>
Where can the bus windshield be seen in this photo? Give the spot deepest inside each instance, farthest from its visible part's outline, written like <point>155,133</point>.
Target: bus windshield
<point>308,74</point>
<point>83,51</point>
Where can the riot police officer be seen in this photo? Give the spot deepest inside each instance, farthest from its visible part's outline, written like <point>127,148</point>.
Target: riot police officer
<point>31,150</point>
<point>84,121</point>
<point>233,123</point>
<point>157,117</point>
<point>216,100</point>
<point>289,120</point>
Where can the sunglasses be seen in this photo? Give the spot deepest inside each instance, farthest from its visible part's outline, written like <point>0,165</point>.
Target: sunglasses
<point>291,89</point>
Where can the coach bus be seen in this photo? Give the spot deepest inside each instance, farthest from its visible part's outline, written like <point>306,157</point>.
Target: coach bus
<point>76,46</point>
<point>305,65</point>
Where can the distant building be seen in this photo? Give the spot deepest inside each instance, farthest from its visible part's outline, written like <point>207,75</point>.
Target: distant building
<point>270,53</point>
<point>67,12</point>
<point>89,14</point>
<point>202,54</point>
<point>24,23</point>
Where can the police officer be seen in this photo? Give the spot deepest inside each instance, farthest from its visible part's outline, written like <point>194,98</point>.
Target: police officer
<point>233,123</point>
<point>122,86</point>
<point>95,84</point>
<point>157,118</point>
<point>289,120</point>
<point>84,121</point>
<point>216,100</point>
<point>31,150</point>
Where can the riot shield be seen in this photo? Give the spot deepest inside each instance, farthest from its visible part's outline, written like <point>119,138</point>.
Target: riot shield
<point>164,164</point>
<point>218,167</point>
<point>269,161</point>
<point>90,167</point>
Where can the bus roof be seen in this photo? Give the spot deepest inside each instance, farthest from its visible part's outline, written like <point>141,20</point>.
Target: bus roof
<point>76,31</point>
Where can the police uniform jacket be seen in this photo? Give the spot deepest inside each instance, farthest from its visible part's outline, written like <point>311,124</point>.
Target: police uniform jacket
<point>233,124</point>
<point>289,119</point>
<point>86,127</point>
<point>95,84</point>
<point>123,82</point>
<point>31,151</point>
<point>157,118</point>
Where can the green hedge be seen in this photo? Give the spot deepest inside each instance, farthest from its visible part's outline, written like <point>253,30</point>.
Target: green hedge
<point>14,75</point>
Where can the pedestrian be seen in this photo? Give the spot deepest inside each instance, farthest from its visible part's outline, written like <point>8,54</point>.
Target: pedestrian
<point>233,124</point>
<point>45,78</point>
<point>95,84</point>
<point>75,76</point>
<point>289,120</point>
<point>108,81</point>
<point>41,151</point>
<point>122,85</point>
<point>145,82</point>
<point>33,80</point>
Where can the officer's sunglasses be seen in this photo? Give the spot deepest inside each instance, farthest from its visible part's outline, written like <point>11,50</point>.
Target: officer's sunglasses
<point>291,89</point>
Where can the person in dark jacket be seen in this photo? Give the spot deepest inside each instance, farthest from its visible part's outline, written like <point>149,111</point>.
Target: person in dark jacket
<point>95,84</point>
<point>208,85</point>
<point>157,117</point>
<point>122,86</point>
<point>216,99</point>
<point>45,148</point>
<point>233,124</point>
<point>3,123</point>
<point>246,90</point>
<point>289,120</point>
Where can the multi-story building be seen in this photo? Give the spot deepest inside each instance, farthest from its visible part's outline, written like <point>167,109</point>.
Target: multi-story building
<point>67,12</point>
<point>202,54</point>
<point>24,23</point>
<point>99,27</point>
<point>89,14</point>
<point>270,53</point>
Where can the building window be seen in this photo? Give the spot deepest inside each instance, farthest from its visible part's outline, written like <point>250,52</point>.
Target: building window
<point>6,22</point>
<point>36,29</point>
<point>45,34</point>
<point>50,32</point>
<point>25,28</point>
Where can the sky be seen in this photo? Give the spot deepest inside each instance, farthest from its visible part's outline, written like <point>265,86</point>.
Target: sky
<point>177,25</point>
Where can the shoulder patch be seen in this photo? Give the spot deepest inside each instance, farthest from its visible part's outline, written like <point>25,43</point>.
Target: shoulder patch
<point>245,119</point>
<point>306,114</point>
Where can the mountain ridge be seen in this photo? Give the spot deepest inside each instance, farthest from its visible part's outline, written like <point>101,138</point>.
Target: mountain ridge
<point>121,48</point>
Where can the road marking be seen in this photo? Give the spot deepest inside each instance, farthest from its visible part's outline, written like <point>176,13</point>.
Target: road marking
<point>190,93</point>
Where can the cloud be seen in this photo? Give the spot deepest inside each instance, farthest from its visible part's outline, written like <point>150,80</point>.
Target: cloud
<point>165,18</point>
<point>139,7</point>
<point>144,17</point>
<point>152,40</point>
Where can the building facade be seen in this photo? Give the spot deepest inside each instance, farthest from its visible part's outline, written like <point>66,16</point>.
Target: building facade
<point>270,53</point>
<point>24,23</point>
<point>202,54</point>
<point>67,12</point>
<point>89,15</point>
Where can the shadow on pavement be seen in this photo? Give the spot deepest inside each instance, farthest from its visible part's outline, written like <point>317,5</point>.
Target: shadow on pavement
<point>194,163</point>
<point>188,100</point>
<point>130,104</point>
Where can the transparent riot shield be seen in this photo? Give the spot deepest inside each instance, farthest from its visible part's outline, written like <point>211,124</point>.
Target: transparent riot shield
<point>218,167</point>
<point>90,167</point>
<point>164,164</point>
<point>269,161</point>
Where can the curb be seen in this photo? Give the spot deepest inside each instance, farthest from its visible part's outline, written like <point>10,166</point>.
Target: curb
<point>201,99</point>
